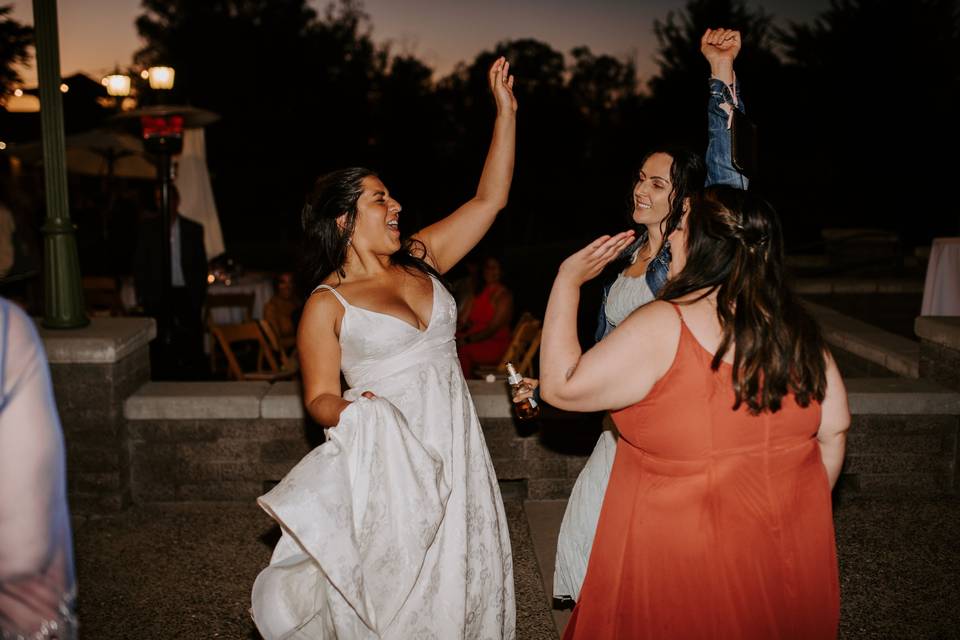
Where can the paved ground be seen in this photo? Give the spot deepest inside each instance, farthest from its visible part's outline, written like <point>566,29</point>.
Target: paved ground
<point>185,571</point>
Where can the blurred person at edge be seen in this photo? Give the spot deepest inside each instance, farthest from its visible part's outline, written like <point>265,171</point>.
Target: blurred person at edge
<point>37,580</point>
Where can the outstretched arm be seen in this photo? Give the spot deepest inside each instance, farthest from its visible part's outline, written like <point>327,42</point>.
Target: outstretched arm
<point>448,240</point>
<point>606,376</point>
<point>720,47</point>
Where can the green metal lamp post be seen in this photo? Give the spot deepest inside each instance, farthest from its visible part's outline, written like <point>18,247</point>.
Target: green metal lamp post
<point>63,294</point>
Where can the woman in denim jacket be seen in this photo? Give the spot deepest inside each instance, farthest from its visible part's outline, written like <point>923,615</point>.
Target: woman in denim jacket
<point>661,195</point>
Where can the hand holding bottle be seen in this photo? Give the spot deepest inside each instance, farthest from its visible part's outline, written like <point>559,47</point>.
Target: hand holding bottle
<point>522,391</point>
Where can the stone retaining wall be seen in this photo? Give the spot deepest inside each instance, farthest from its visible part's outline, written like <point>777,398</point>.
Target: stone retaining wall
<point>940,349</point>
<point>207,446</point>
<point>130,440</point>
<point>94,370</point>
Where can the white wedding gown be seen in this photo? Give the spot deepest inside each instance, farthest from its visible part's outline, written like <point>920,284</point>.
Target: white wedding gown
<point>394,527</point>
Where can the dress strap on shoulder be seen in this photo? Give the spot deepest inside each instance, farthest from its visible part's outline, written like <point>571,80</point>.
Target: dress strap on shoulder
<point>676,307</point>
<point>327,287</point>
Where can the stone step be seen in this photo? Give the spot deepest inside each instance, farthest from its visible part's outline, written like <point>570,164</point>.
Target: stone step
<point>898,354</point>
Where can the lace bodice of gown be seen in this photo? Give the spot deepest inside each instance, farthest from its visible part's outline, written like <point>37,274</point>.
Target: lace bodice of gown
<point>376,346</point>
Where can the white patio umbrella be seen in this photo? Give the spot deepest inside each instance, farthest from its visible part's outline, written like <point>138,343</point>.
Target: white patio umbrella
<point>196,194</point>
<point>99,152</point>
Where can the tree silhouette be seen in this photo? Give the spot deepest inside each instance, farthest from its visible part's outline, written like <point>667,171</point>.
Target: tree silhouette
<point>678,91</point>
<point>876,110</point>
<point>15,42</point>
<point>294,92</point>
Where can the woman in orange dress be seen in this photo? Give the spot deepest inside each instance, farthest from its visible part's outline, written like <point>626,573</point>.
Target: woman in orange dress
<point>732,416</point>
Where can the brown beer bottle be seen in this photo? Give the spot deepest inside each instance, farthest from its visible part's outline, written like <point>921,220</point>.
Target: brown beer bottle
<point>527,408</point>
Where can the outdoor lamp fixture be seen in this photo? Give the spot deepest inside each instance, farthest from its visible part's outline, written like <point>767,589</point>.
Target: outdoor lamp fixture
<point>160,77</point>
<point>117,84</point>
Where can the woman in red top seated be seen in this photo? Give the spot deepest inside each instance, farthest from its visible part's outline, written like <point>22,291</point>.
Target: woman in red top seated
<point>485,334</point>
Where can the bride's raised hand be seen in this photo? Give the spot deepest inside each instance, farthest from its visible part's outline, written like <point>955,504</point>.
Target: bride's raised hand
<point>501,85</point>
<point>590,261</point>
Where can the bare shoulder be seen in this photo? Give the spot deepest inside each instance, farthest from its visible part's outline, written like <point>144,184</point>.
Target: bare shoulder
<point>656,317</point>
<point>322,311</point>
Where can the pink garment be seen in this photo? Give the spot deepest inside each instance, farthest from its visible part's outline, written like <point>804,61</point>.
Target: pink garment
<point>941,291</point>
<point>37,582</point>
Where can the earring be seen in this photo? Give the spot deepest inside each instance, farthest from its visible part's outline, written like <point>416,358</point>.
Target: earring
<point>349,241</point>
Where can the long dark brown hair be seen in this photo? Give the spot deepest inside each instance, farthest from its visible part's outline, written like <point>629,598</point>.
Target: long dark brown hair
<point>325,243</point>
<point>735,247</point>
<point>687,175</point>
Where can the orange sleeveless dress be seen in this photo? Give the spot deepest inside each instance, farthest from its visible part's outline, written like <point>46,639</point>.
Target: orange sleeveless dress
<point>716,523</point>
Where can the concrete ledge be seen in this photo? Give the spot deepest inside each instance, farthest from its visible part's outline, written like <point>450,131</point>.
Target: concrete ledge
<point>103,341</point>
<point>943,330</point>
<point>492,399</point>
<point>195,400</point>
<point>883,396</point>
<point>283,400</point>
<point>900,396</point>
<point>900,355</point>
<point>823,286</point>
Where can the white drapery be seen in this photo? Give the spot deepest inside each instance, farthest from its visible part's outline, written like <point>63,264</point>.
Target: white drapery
<point>196,194</point>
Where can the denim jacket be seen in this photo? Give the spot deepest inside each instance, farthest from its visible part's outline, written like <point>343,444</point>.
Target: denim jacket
<point>720,170</point>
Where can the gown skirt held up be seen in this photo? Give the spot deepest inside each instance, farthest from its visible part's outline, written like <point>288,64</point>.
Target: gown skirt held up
<point>716,523</point>
<point>393,528</point>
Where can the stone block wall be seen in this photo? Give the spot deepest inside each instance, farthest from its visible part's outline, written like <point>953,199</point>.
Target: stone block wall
<point>212,459</point>
<point>548,455</point>
<point>940,349</point>
<point>232,441</point>
<point>93,371</point>
<point>901,454</point>
<point>940,363</point>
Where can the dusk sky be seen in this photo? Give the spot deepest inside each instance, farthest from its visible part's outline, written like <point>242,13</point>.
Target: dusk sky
<point>97,34</point>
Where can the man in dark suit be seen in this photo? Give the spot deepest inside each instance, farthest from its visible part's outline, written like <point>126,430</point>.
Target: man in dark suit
<point>178,350</point>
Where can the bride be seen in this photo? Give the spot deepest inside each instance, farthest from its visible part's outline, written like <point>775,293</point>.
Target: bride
<point>394,528</point>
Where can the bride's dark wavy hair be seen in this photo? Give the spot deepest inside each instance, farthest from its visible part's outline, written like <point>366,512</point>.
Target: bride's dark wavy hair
<point>735,247</point>
<point>325,243</point>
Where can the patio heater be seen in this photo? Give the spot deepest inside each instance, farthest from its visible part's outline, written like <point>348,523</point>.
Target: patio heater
<point>162,129</point>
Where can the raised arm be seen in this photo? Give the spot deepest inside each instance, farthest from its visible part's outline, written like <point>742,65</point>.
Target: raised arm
<point>451,238</point>
<point>720,47</point>
<point>606,376</point>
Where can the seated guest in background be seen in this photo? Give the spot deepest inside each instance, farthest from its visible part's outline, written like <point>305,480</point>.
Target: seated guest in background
<point>485,335</point>
<point>178,349</point>
<point>281,310</point>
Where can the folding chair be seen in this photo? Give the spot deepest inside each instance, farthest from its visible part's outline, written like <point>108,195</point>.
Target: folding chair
<point>229,334</point>
<point>225,301</point>
<point>288,357</point>
<point>522,348</point>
